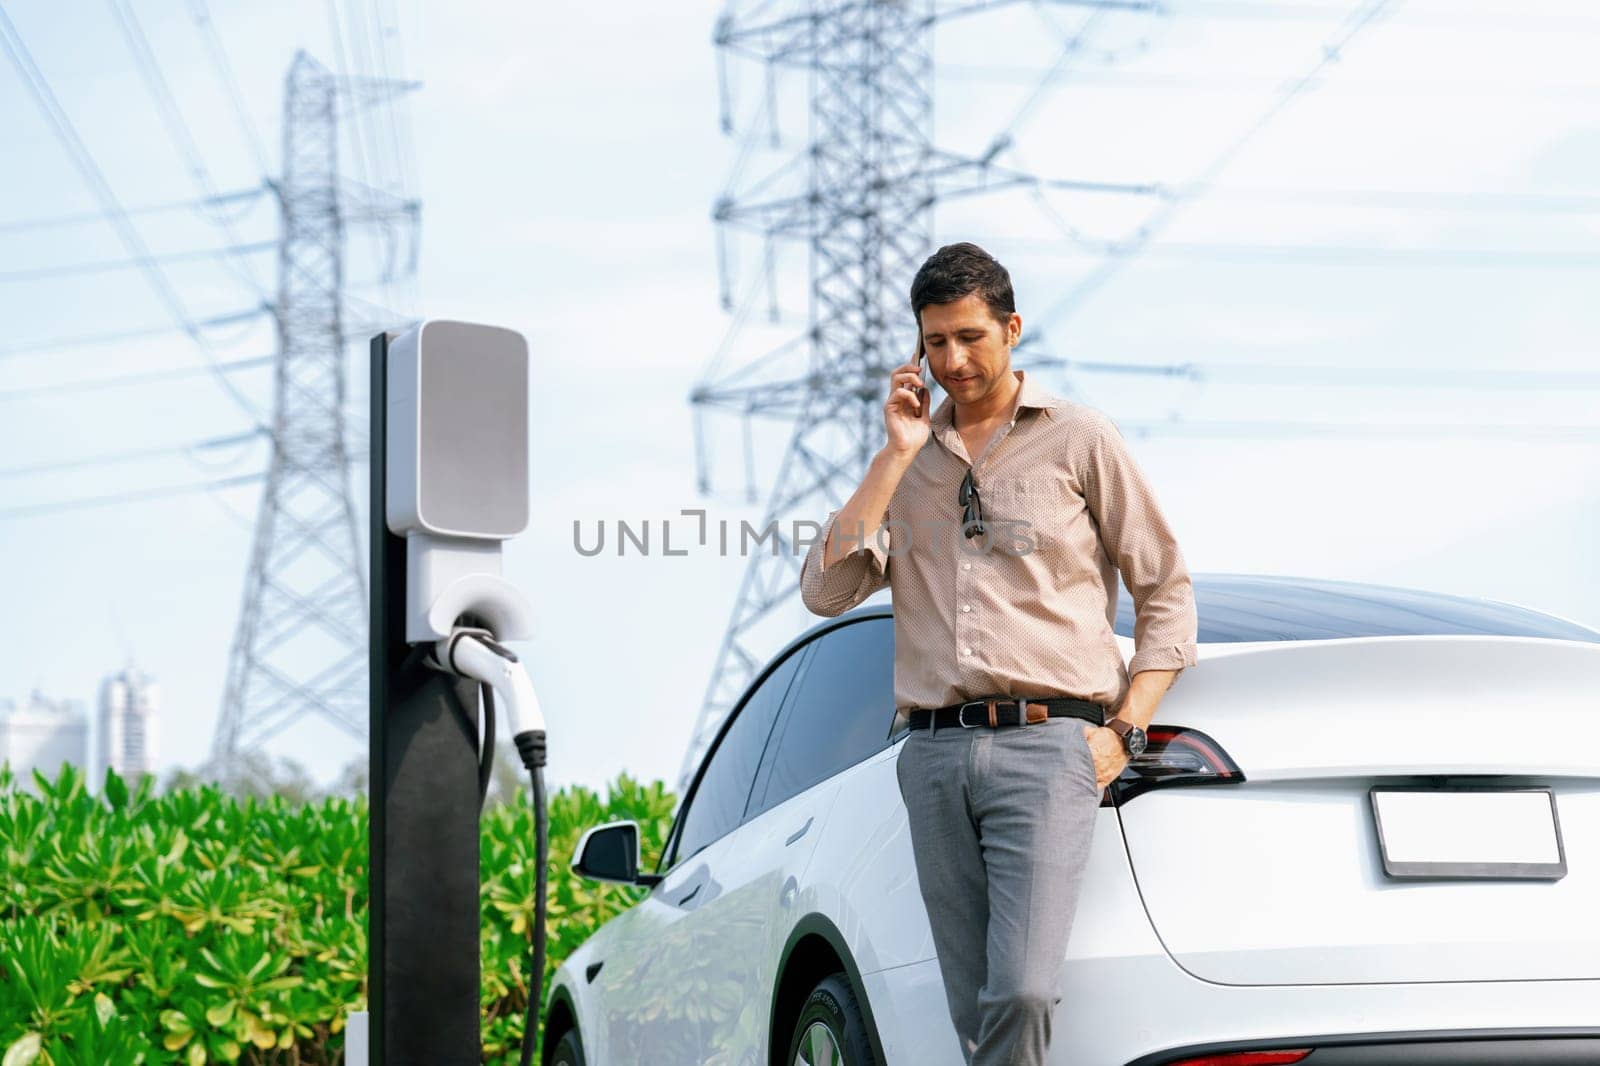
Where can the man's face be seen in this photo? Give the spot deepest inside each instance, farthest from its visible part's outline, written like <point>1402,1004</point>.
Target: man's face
<point>969,352</point>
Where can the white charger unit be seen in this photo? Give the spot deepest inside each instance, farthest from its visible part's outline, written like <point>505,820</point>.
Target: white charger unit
<point>456,479</point>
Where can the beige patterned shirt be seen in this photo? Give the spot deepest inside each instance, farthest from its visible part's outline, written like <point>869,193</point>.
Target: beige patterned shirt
<point>1067,507</point>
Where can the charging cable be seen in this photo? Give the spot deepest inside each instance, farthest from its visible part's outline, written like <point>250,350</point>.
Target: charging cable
<point>472,652</point>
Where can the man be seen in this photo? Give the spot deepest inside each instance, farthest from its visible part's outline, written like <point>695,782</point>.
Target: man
<point>1000,522</point>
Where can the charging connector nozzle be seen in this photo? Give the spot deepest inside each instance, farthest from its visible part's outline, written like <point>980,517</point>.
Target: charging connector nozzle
<point>473,652</point>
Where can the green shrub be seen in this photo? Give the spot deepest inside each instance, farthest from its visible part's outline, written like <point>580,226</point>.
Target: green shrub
<point>194,927</point>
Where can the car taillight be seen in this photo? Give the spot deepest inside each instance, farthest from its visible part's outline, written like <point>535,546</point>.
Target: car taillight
<point>1175,756</point>
<point>1245,1058</point>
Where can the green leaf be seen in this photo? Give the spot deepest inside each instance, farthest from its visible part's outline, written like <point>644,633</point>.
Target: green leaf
<point>104,1009</point>
<point>23,1051</point>
<point>116,790</point>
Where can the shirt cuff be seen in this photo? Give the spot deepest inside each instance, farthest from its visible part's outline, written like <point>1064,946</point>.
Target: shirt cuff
<point>853,577</point>
<point>1164,657</point>
<point>869,544</point>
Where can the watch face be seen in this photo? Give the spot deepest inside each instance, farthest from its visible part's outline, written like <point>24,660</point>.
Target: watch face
<point>1135,741</point>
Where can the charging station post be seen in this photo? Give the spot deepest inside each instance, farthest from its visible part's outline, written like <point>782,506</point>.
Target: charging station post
<point>423,918</point>
<point>449,460</point>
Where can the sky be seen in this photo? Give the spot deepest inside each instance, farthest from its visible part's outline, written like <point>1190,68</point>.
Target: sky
<point>1374,272</point>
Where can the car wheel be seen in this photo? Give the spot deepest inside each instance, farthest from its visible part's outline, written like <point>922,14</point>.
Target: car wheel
<point>830,1030</point>
<point>569,1050</point>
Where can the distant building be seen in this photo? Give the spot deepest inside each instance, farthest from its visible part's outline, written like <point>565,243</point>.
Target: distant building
<point>129,701</point>
<point>41,734</point>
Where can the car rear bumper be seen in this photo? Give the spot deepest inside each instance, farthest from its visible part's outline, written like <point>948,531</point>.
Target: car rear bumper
<point>1474,1047</point>
<point>1147,1010</point>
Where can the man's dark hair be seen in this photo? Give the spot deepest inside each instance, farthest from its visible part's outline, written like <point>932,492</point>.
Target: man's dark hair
<point>958,269</point>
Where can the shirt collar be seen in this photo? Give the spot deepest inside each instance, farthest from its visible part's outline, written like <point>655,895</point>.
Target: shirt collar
<point>1030,394</point>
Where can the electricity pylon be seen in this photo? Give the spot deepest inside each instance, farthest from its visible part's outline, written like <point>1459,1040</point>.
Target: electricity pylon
<point>300,646</point>
<point>869,176</point>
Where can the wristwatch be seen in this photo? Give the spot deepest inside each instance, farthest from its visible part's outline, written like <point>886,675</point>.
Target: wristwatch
<point>1133,738</point>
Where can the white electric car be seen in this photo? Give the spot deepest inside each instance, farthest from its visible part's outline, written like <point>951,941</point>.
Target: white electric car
<point>1366,830</point>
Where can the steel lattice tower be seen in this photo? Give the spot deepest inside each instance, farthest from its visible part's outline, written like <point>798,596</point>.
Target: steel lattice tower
<point>872,176</point>
<point>300,646</point>
<point>866,216</point>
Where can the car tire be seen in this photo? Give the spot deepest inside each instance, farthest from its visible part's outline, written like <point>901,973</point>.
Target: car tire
<point>569,1050</point>
<point>831,1030</point>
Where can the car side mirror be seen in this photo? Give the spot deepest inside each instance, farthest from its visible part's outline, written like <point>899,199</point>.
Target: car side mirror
<point>610,852</point>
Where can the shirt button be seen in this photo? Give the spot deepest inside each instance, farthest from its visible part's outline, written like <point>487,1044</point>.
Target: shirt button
<point>966,651</point>
<point>965,607</point>
<point>966,566</point>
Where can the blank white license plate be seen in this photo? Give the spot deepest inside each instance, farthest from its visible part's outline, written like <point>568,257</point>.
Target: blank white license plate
<point>1468,833</point>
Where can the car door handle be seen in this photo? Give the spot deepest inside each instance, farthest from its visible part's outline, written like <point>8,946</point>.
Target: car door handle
<point>798,833</point>
<point>691,894</point>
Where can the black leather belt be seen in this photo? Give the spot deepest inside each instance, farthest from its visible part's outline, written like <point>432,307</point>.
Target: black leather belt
<point>1005,710</point>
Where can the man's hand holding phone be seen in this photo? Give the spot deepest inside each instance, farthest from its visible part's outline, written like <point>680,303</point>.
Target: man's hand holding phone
<point>905,414</point>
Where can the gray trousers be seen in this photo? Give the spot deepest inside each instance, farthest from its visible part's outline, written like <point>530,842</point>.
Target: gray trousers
<point>1001,820</point>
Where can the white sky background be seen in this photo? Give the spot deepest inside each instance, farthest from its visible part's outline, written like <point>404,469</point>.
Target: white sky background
<point>568,158</point>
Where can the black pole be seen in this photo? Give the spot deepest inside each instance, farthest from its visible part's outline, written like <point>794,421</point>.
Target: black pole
<point>422,911</point>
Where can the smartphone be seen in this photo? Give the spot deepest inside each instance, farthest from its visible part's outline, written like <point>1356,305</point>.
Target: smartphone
<point>922,390</point>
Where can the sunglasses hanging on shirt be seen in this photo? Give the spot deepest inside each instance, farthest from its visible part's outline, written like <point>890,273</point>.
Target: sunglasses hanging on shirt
<point>972,507</point>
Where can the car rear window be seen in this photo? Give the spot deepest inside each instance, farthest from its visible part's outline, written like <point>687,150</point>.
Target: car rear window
<point>1247,608</point>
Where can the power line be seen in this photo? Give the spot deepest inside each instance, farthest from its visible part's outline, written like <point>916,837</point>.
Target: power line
<point>1069,51</point>
<point>367,141</point>
<point>1426,431</point>
<point>86,217</point>
<point>110,458</point>
<point>1324,254</point>
<point>177,127</point>
<point>375,61</point>
<point>35,510</point>
<point>125,380</point>
<point>1330,53</point>
<point>219,59</point>
<point>361,126</point>
<point>407,166</point>
<point>89,340</point>
<point>104,266</point>
<point>404,165</point>
<point>1411,199</point>
<point>1018,74</point>
<point>1456,18</point>
<point>64,130</point>
<point>1331,375</point>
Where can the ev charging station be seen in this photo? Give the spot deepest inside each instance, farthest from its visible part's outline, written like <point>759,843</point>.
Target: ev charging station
<point>449,462</point>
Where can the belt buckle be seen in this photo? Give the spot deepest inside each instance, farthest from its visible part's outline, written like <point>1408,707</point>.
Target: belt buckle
<point>961,714</point>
